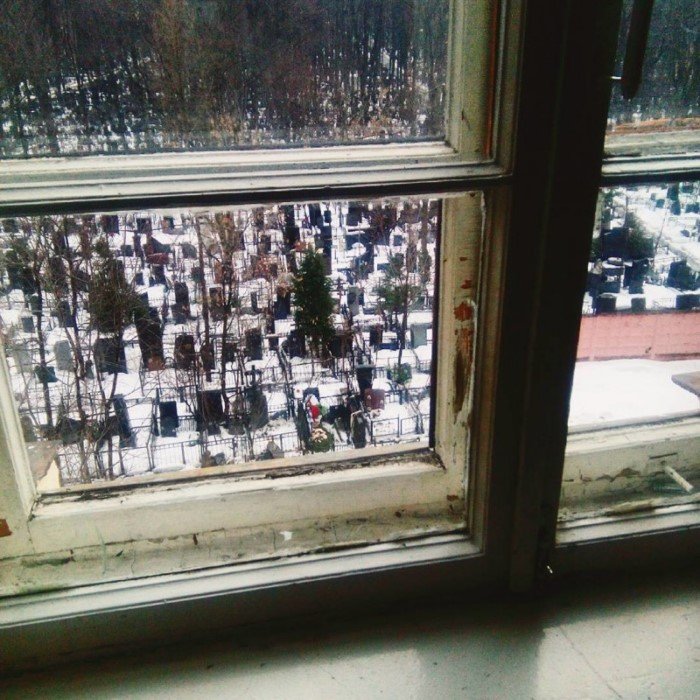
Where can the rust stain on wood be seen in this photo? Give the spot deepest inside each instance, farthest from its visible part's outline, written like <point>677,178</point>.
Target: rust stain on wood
<point>4,528</point>
<point>463,312</point>
<point>462,366</point>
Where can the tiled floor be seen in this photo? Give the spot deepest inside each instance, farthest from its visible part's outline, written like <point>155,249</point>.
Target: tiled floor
<point>628,638</point>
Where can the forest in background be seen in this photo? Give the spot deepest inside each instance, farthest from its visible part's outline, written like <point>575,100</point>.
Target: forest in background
<point>118,76</point>
<point>79,76</point>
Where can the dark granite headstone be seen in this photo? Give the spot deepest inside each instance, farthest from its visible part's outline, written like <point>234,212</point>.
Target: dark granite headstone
<point>109,356</point>
<point>253,344</point>
<point>169,420</point>
<point>605,303</point>
<point>639,304</point>
<point>686,302</point>
<point>365,375</point>
<point>144,225</point>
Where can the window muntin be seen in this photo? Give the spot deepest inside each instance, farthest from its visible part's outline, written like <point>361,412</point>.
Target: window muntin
<point>664,116</point>
<point>205,361</point>
<point>634,419</point>
<point>213,75</point>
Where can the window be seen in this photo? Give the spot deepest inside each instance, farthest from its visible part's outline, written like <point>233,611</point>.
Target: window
<point>633,435</point>
<point>595,461</point>
<point>439,149</point>
<point>518,201</point>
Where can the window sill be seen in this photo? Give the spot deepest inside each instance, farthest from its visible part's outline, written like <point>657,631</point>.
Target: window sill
<point>99,619</point>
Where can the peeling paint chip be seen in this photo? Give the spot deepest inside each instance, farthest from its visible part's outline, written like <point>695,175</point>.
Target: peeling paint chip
<point>4,528</point>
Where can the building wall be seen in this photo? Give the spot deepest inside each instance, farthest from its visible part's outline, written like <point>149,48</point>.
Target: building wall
<point>654,336</point>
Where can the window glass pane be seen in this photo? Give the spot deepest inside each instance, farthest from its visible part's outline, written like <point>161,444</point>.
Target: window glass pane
<point>664,117</point>
<point>154,341</point>
<point>122,76</point>
<point>634,422</point>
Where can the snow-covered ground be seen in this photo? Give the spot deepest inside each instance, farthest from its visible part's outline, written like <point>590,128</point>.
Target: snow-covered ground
<point>612,393</point>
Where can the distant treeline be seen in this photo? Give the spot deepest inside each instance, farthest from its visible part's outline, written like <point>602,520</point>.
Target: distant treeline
<point>80,76</point>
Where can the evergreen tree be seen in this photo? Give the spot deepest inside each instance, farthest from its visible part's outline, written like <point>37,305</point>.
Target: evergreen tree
<point>314,305</point>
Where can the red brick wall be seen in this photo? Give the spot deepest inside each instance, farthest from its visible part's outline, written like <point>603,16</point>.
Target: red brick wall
<point>656,335</point>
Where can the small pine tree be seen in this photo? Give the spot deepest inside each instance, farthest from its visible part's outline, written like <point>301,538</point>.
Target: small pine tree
<point>313,303</point>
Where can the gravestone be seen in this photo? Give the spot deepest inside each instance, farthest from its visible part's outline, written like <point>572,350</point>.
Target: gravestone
<point>341,344</point>
<point>169,421</point>
<point>45,375</point>
<point>358,431</point>
<point>210,412</point>
<point>109,356</point>
<point>144,225</point>
<point>253,344</point>
<point>157,275</point>
<point>610,286</point>
<point>365,375</point>
<point>110,223</point>
<point>150,335</point>
<point>419,334</point>
<point>375,335</point>
<point>353,298</point>
<point>66,318</point>
<point>295,346</point>
<point>64,356</point>
<point>256,406</point>
<point>605,303</point>
<point>686,302</point>
<point>28,324</point>
<point>123,423</point>
<point>639,304</point>
<point>182,294</point>
<point>82,280</point>
<point>23,357</point>
<point>282,306</point>
<point>184,355</point>
<point>189,252</point>
<point>206,354</point>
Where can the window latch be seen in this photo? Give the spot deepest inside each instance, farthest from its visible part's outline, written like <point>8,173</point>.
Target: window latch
<point>636,47</point>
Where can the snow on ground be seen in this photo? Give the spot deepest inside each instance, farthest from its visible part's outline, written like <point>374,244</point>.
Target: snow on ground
<point>619,392</point>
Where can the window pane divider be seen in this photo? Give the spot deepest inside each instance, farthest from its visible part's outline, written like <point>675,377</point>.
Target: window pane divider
<point>64,195</point>
<point>631,171</point>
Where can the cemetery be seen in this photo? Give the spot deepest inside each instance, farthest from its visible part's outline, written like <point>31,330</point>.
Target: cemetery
<point>645,255</point>
<point>153,342</point>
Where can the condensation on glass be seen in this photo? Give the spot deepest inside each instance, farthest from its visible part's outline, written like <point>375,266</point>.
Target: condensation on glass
<point>148,342</point>
<point>132,76</point>
<point>634,421</point>
<point>664,116</point>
